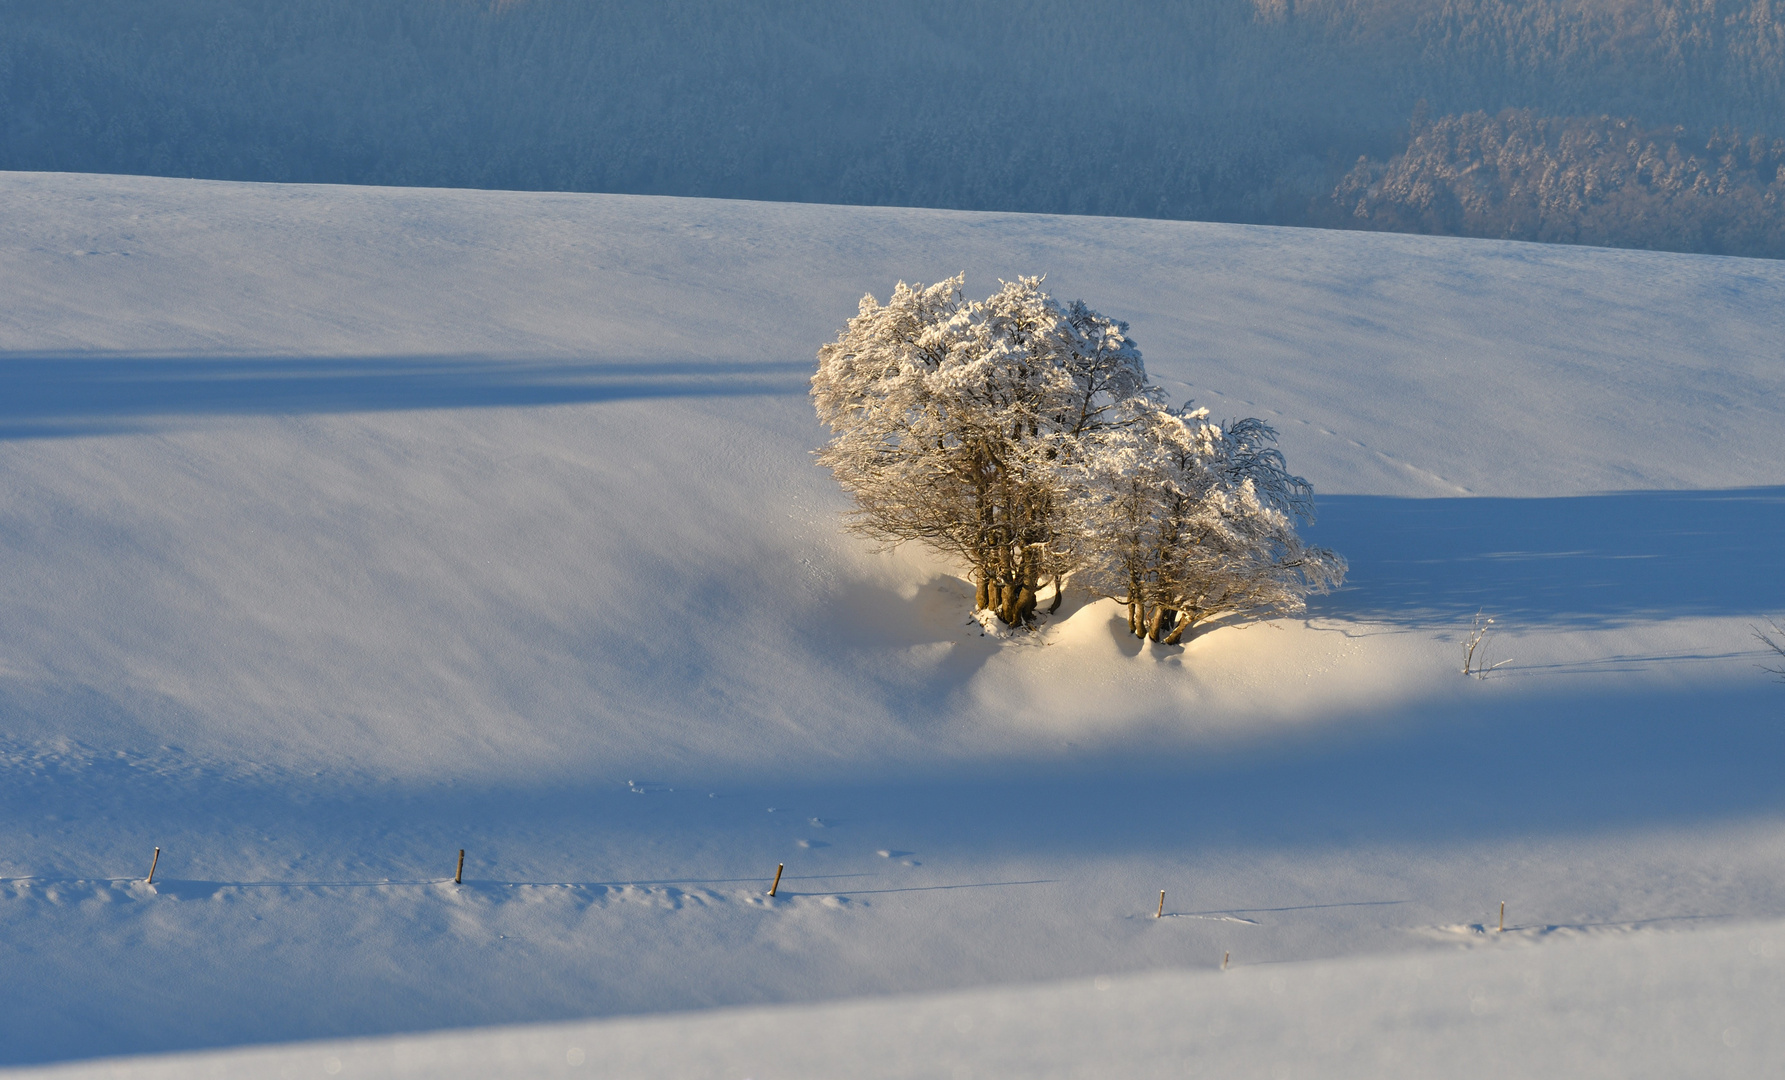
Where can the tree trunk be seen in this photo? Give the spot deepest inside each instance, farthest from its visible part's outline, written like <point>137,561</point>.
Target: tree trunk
<point>1177,633</point>
<point>982,592</point>
<point>1153,624</point>
<point>1055,606</point>
<point>1137,605</point>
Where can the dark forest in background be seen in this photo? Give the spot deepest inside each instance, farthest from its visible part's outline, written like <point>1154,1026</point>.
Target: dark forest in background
<point>1646,123</point>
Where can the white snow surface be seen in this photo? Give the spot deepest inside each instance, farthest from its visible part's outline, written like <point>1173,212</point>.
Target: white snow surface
<point>344,528</point>
<point>1702,1004</point>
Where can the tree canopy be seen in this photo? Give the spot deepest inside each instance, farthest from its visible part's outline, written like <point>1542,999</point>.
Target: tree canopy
<point>1021,436</point>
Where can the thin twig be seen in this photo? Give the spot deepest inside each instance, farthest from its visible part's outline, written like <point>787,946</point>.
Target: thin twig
<point>1775,644</point>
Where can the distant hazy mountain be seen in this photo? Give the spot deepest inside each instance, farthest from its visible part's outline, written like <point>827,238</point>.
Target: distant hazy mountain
<point>1241,110</point>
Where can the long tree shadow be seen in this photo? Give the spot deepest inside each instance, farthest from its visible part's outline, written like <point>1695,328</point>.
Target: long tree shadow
<point>49,395</point>
<point>1584,561</point>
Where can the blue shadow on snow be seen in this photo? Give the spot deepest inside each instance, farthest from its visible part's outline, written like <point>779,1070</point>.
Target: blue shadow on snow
<point>1583,561</point>
<point>47,395</point>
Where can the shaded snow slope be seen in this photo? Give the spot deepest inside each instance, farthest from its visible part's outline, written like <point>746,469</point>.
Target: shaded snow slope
<point>345,528</point>
<point>1702,1004</point>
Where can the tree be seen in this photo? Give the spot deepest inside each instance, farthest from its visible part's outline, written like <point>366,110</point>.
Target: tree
<point>1021,436</point>
<point>953,421</point>
<point>1192,520</point>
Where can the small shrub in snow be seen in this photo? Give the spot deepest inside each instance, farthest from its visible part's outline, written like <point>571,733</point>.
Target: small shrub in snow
<point>1478,666</point>
<point>1021,436</point>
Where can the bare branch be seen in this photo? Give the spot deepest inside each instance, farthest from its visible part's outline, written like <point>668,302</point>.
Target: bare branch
<point>1776,644</point>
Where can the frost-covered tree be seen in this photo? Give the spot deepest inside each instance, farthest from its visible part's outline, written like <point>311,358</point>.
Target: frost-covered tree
<point>1021,436</point>
<point>1190,520</point>
<point>954,423</point>
<point>1135,494</point>
<point>1236,550</point>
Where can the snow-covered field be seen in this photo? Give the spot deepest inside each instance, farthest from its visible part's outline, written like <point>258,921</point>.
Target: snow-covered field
<point>344,528</point>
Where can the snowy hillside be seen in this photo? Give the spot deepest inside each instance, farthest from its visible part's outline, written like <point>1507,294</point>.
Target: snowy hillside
<point>348,527</point>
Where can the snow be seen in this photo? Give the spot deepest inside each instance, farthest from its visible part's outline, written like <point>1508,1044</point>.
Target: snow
<point>348,527</point>
<point>1703,1004</point>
